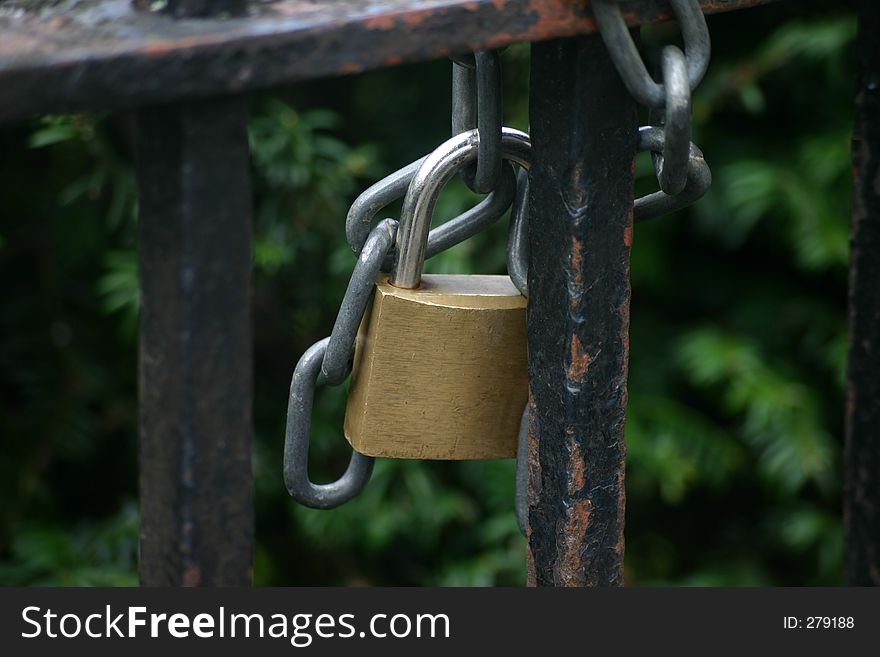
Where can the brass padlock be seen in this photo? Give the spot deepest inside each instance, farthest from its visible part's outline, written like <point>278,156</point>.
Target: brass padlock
<point>440,364</point>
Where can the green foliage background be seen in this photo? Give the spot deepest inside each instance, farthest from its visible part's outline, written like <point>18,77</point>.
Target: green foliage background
<point>738,332</point>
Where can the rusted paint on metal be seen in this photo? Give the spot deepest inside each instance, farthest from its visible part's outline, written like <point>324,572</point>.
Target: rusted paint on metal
<point>580,361</point>
<point>862,454</point>
<point>575,264</point>
<point>106,54</point>
<point>576,469</point>
<point>568,570</point>
<point>583,127</point>
<point>534,467</point>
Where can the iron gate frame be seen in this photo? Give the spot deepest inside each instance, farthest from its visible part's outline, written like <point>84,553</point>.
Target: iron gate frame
<point>186,71</point>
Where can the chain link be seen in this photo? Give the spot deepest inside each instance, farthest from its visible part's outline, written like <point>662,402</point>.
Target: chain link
<point>699,178</point>
<point>477,103</point>
<point>518,236</point>
<point>393,188</point>
<point>672,165</point>
<point>340,350</point>
<point>669,102</point>
<point>376,197</point>
<point>626,58</point>
<point>518,270</point>
<point>332,356</point>
<point>464,98</point>
<point>296,442</point>
<point>521,494</point>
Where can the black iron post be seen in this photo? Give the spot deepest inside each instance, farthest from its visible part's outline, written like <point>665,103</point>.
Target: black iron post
<point>195,344</point>
<point>862,460</point>
<point>584,134</point>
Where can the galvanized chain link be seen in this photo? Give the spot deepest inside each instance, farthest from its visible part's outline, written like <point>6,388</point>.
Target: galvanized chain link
<point>670,102</point>
<point>699,178</point>
<point>518,236</point>
<point>296,442</point>
<point>628,61</point>
<point>331,356</point>
<point>393,188</point>
<point>672,165</point>
<point>477,103</point>
<point>340,350</point>
<point>518,270</point>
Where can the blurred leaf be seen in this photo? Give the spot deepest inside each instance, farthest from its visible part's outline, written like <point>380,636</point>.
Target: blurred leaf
<point>54,131</point>
<point>777,415</point>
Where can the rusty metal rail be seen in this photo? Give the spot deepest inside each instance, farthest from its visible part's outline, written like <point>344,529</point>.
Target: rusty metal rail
<point>110,54</point>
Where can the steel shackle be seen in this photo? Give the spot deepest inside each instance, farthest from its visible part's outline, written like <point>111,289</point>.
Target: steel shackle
<point>424,190</point>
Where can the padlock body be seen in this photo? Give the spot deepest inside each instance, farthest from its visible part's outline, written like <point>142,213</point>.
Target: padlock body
<point>440,371</point>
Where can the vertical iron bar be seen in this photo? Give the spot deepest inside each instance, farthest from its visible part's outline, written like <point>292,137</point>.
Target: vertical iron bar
<point>195,346</point>
<point>862,458</point>
<point>584,134</point>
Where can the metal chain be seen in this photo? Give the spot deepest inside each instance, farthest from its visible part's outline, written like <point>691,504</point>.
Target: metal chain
<point>521,493</point>
<point>518,236</point>
<point>477,112</point>
<point>626,58</point>
<point>699,178</point>
<point>296,442</point>
<point>669,102</point>
<point>332,357</point>
<point>518,270</point>
<point>339,347</point>
<point>393,188</point>
<point>672,165</point>
<point>477,103</point>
